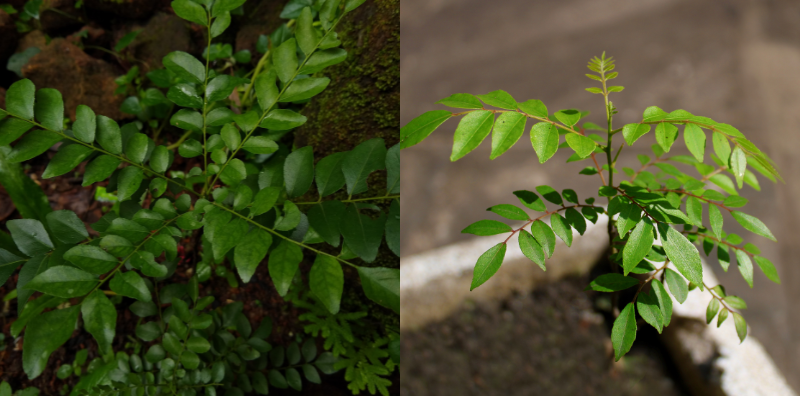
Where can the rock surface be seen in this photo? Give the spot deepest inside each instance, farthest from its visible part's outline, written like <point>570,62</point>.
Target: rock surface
<point>128,9</point>
<point>162,34</point>
<point>81,78</point>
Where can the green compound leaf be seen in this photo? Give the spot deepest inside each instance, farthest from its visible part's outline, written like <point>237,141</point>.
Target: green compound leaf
<point>462,101</point>
<point>638,245</point>
<point>612,283</point>
<point>507,130</point>
<point>682,253</point>
<point>421,127</point>
<point>488,264</point>
<point>753,224</point>
<point>250,252</point>
<point>45,333</point>
<point>284,261</point>
<point>100,320</point>
<point>650,311</point>
<point>91,259</point>
<point>63,281</point>
<point>298,171</point>
<point>544,138</point>
<point>695,140</point>
<point>381,285</point>
<point>583,145</point>
<point>32,145</point>
<point>326,280</point>
<point>486,228</point>
<point>531,249</point>
<point>623,333</point>
<point>471,131</point>
<point>306,37</point>
<point>130,178</point>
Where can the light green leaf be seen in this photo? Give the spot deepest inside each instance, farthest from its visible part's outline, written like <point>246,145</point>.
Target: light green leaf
<point>509,211</point>
<point>632,132</point>
<point>100,320</point>
<point>544,138</point>
<point>283,119</point>
<point>738,164</point>
<point>568,117</point>
<point>220,24</point>
<point>745,266</point>
<point>499,99</point>
<point>486,227</point>
<point>307,38</point>
<point>298,171</point>
<point>46,333</point>
<point>63,281</point>
<point>534,107</point>
<point>419,128</point>
<point>304,89</point>
<point>250,252</point>
<point>741,326</point>
<point>677,285</point>
<point>545,236</point>
<point>507,130</point>
<point>638,245</point>
<point>488,264</point>
<point>284,262</point>
<point>471,131</point>
<point>666,134</point>
<point>561,228</point>
<point>223,6</point>
<point>462,101</point>
<point>753,224</point>
<point>721,146</point>
<point>531,249</point>
<point>629,216</point>
<point>285,60</point>
<point>695,140</point>
<point>711,310</point>
<point>623,333</point>
<point>766,266</point>
<point>326,281</point>
<point>583,145</point>
<point>682,253</point>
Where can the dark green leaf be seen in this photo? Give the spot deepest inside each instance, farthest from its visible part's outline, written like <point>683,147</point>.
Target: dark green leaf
<point>109,135</point>
<point>20,98</point>
<point>66,226</point>
<point>285,60</point>
<point>91,259</point>
<point>509,211</point>
<point>561,228</point>
<point>49,109</point>
<point>33,144</point>
<point>648,307</point>
<point>304,89</point>
<point>185,95</point>
<point>531,200</point>
<point>612,283</point>
<point>629,216</point>
<point>100,169</point>
<point>326,218</point>
<point>63,281</point>
<point>234,173</point>
<point>249,253</point>
<point>575,220</point>
<point>44,335</point>
<point>130,178</point>
<point>677,285</point>
<point>284,261</point>
<point>362,234</point>
<point>100,319</point>
<point>30,236</point>
<point>531,249</point>
<point>664,301</point>
<point>364,159</point>
<point>66,159</point>
<point>191,12</point>
<point>130,284</point>
<point>298,171</point>
<point>545,236</point>
<point>326,281</point>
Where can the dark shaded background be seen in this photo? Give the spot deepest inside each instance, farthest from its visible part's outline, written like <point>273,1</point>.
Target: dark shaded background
<point>733,61</point>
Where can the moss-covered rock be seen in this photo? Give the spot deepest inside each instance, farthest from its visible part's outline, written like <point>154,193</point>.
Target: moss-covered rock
<point>363,98</point>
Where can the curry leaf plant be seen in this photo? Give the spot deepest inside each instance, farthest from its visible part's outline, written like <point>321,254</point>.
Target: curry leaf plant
<point>656,211</point>
<point>248,202</point>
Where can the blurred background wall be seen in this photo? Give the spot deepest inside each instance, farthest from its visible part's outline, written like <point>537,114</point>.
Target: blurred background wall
<point>736,62</point>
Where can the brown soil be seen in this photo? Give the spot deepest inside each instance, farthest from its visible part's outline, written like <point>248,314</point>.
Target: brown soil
<point>550,342</point>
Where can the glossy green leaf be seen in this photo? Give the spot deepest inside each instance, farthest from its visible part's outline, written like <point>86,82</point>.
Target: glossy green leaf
<point>130,284</point>
<point>650,311</point>
<point>100,169</point>
<point>298,171</point>
<point>612,283</point>
<point>234,173</point>
<point>666,134</point>
<point>741,326</point>
<point>20,98</point>
<point>677,285</point>
<point>419,128</point>
<point>306,36</point>
<point>534,107</point>
<point>191,12</point>
<point>531,248</point>
<point>509,211</point>
<point>486,227</point>
<point>184,65</point>
<point>100,320</point>
<point>66,159</point>
<point>130,178</point>
<point>753,224</point>
<point>361,161</point>
<point>499,99</point>
<point>664,301</point>
<point>471,131</point>
<point>561,228</point>
<point>531,200</point>
<point>507,130</point>
<point>46,333</point>
<point>32,145</point>
<point>329,176</point>
<point>250,252</point>
<point>66,226</point>
<point>264,200</point>
<point>304,89</point>
<point>488,264</point>
<point>629,216</point>
<point>49,109</point>
<point>362,234</point>
<point>11,129</point>
<point>30,236</point>
<point>285,60</point>
<point>109,135</point>
<point>91,259</point>
<point>545,236</point>
<point>623,333</point>
<point>768,268</point>
<point>185,95</point>
<point>638,245</point>
<point>695,140</point>
<point>682,253</point>
<point>63,281</point>
<point>326,281</point>
<point>284,262</point>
